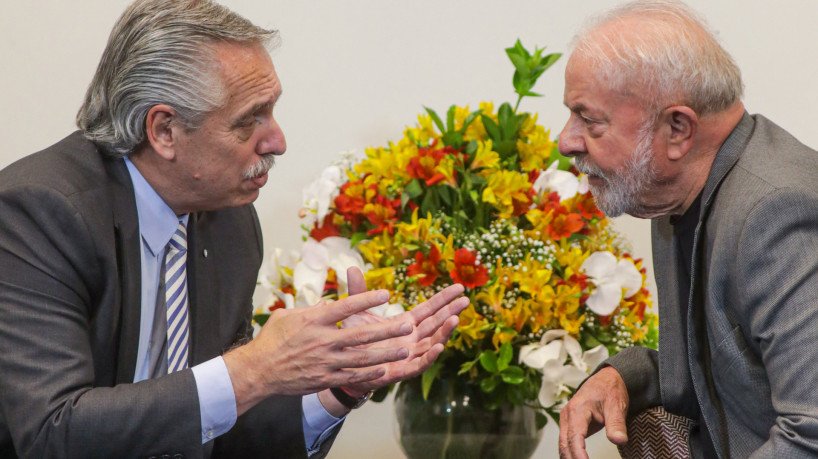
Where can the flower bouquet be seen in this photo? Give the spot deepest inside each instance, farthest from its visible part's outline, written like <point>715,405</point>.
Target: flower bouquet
<point>482,198</point>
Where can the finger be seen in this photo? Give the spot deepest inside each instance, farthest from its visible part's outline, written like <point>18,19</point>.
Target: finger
<point>339,310</point>
<point>616,410</point>
<point>371,333</point>
<point>577,431</point>
<point>435,303</point>
<point>355,281</point>
<point>431,324</point>
<point>413,367</point>
<point>362,358</point>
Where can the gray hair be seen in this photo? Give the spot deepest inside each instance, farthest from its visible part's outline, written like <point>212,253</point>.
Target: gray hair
<point>159,52</point>
<point>674,59</point>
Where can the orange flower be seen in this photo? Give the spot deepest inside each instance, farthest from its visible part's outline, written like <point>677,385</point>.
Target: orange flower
<point>586,206</point>
<point>564,225</point>
<point>326,229</point>
<point>381,212</point>
<point>425,268</point>
<point>467,271</point>
<point>427,166</point>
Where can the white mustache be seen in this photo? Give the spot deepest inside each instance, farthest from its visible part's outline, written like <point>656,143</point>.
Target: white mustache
<point>262,167</point>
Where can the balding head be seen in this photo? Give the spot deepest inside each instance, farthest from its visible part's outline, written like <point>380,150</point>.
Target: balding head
<point>662,52</point>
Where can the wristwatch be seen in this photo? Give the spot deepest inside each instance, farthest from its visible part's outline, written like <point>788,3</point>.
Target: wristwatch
<point>348,400</point>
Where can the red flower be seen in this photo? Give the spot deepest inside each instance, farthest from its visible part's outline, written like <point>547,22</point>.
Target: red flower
<point>586,206</point>
<point>326,229</point>
<point>467,271</point>
<point>381,213</point>
<point>564,225</point>
<point>425,268</point>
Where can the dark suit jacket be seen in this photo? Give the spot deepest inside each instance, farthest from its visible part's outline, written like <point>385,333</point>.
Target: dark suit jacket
<point>70,312</point>
<point>741,356</point>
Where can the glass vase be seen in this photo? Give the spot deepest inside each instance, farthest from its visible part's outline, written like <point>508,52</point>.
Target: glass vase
<point>453,424</point>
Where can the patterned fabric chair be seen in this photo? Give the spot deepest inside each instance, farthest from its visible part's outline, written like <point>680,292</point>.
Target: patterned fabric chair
<point>657,434</point>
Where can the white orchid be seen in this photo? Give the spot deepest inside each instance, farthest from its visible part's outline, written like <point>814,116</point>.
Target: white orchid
<point>564,183</point>
<point>610,277</point>
<point>275,272</point>
<point>320,193</point>
<point>310,274</point>
<point>560,376</point>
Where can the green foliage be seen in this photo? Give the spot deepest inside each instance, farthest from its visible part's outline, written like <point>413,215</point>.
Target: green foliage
<point>528,68</point>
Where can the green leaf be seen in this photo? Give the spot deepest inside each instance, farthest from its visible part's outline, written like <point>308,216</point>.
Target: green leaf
<point>540,419</point>
<point>488,384</point>
<point>414,189</point>
<point>470,119</point>
<point>261,319</point>
<point>429,377</point>
<point>453,138</point>
<point>466,367</point>
<point>488,359</point>
<point>436,119</point>
<point>380,393</point>
<point>491,128</point>
<point>356,238</point>
<point>450,119</point>
<point>513,375</point>
<point>506,353</point>
<point>431,202</point>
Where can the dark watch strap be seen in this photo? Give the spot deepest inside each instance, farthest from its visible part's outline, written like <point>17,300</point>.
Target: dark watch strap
<point>348,400</point>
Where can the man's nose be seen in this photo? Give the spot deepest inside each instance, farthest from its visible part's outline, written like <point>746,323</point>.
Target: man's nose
<point>272,140</point>
<point>571,141</point>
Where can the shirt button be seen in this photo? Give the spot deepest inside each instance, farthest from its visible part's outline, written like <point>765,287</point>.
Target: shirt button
<point>204,252</point>
<point>210,434</point>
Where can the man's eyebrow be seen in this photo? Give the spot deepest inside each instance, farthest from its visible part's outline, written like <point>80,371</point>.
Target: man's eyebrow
<point>254,109</point>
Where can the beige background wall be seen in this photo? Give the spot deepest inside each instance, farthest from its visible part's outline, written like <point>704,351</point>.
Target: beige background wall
<point>355,72</point>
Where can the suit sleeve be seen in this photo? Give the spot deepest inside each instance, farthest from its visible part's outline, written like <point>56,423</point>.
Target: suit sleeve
<point>639,368</point>
<point>778,273</point>
<point>51,286</point>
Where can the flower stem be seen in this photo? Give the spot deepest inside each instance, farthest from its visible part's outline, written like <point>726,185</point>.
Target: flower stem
<point>449,421</point>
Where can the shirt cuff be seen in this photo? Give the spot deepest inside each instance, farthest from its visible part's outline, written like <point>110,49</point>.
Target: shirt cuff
<point>217,402</point>
<point>317,422</point>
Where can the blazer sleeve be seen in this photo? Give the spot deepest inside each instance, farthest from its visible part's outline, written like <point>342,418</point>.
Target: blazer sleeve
<point>51,279</point>
<point>777,265</point>
<point>639,368</point>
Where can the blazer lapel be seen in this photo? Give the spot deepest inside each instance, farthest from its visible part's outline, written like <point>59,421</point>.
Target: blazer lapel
<point>697,345</point>
<point>203,304</point>
<point>129,265</point>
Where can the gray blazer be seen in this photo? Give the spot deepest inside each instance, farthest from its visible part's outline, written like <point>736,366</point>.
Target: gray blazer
<point>70,313</point>
<point>741,357</point>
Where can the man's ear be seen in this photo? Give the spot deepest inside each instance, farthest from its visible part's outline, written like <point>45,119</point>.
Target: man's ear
<point>162,130</point>
<point>683,123</point>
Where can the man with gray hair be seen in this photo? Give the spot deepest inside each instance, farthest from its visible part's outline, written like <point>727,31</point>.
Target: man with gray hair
<point>129,253</point>
<point>658,126</point>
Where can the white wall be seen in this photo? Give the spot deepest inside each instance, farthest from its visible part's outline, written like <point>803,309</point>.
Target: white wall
<point>356,72</point>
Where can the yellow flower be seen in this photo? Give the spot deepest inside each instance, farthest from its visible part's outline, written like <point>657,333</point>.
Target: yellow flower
<point>446,168</point>
<point>535,149</point>
<point>492,296</point>
<point>504,188</point>
<point>531,276</point>
<point>470,328</point>
<point>378,278</point>
<point>485,157</point>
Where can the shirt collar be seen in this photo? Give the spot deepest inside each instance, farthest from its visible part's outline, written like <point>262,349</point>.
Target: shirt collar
<point>157,221</point>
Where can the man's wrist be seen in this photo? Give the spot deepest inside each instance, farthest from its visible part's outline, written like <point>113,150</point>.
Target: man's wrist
<point>350,398</point>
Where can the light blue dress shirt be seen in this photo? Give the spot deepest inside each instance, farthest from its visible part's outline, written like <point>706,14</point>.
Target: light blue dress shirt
<point>217,402</point>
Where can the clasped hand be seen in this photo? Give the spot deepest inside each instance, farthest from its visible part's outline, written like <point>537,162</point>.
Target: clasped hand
<point>302,350</point>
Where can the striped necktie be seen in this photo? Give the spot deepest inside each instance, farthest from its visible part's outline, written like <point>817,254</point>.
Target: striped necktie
<point>176,299</point>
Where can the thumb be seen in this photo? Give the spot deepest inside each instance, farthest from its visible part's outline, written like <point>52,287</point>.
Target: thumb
<point>616,429</point>
<point>355,281</point>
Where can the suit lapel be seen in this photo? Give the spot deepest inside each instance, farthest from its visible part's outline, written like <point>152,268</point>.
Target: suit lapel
<point>204,302</point>
<point>695,314</point>
<point>129,265</point>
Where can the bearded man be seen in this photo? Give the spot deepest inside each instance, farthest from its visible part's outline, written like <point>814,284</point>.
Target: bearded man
<point>658,125</point>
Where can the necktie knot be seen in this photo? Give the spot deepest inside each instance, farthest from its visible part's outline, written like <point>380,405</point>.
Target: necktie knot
<point>178,241</point>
